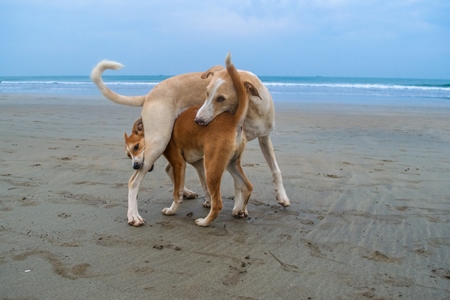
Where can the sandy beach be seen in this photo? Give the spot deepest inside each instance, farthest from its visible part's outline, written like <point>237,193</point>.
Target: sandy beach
<point>370,214</point>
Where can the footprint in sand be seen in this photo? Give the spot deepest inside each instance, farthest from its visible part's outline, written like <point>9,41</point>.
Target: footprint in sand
<point>378,256</point>
<point>441,272</point>
<point>59,268</point>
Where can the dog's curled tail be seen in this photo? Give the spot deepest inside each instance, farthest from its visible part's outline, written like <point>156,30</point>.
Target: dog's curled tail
<point>96,77</point>
<point>241,92</point>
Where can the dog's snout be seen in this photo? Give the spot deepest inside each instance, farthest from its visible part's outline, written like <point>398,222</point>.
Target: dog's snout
<point>200,121</point>
<point>137,166</point>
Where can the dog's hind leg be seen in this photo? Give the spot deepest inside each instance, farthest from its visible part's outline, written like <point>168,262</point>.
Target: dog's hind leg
<point>160,121</point>
<point>214,165</point>
<point>267,149</point>
<point>187,193</point>
<point>242,188</point>
<point>134,183</point>
<point>200,168</point>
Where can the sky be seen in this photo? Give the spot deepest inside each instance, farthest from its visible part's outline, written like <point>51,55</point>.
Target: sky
<point>345,38</point>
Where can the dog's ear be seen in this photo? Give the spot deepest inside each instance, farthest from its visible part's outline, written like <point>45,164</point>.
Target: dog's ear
<point>211,71</point>
<point>138,127</point>
<point>206,74</point>
<point>251,89</point>
<point>125,136</point>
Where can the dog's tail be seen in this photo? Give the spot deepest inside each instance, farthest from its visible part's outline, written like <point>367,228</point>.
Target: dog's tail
<point>96,77</point>
<point>241,92</point>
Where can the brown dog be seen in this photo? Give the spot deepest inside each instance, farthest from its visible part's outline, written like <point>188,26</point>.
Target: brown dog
<point>135,145</point>
<point>215,147</point>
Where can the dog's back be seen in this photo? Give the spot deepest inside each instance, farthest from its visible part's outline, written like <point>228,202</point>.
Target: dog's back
<point>192,140</point>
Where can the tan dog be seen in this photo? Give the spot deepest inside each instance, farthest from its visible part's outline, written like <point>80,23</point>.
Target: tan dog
<point>216,147</point>
<point>170,98</point>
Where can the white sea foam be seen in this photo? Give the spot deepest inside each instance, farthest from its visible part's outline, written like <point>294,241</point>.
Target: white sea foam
<point>141,85</point>
<point>356,86</point>
<point>75,82</point>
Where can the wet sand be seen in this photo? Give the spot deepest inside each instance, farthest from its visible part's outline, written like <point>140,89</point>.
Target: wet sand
<point>370,214</point>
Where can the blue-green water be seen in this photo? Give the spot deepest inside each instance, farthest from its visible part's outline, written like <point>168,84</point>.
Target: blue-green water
<point>281,87</point>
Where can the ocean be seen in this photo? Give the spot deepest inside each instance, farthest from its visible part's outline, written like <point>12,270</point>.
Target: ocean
<point>282,88</point>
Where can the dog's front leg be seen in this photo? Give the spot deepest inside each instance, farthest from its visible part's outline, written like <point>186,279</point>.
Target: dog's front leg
<point>179,172</point>
<point>267,149</point>
<point>187,193</point>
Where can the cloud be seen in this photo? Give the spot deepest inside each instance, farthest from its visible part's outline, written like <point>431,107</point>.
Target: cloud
<point>299,36</point>
<point>225,23</point>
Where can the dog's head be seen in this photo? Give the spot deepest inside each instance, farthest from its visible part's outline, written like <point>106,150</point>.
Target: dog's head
<point>220,94</point>
<point>135,145</point>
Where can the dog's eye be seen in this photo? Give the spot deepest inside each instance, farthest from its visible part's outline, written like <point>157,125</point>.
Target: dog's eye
<point>220,99</point>
<point>136,147</point>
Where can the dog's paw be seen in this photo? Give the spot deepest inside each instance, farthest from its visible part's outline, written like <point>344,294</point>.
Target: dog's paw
<point>168,211</point>
<point>240,214</point>
<point>188,194</point>
<point>136,221</point>
<point>201,222</point>
<point>283,201</point>
<point>206,204</point>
